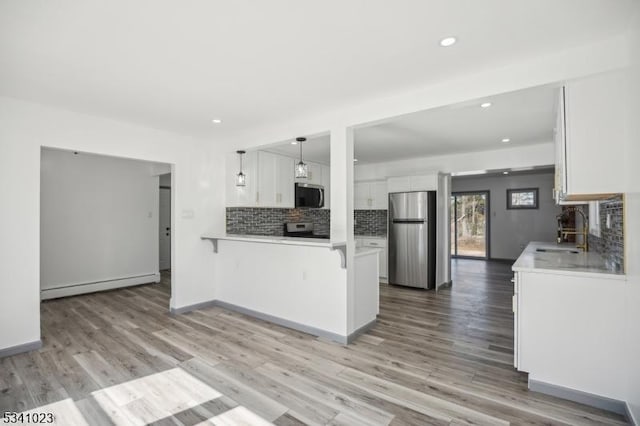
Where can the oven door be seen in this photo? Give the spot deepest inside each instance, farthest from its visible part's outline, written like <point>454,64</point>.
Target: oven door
<point>309,195</point>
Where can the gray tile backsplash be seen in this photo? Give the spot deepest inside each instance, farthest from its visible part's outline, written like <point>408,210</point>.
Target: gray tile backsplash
<point>370,222</point>
<point>268,221</point>
<point>611,241</point>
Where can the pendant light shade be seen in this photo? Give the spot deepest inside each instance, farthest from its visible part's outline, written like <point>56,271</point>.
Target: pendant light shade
<point>302,169</point>
<point>241,178</point>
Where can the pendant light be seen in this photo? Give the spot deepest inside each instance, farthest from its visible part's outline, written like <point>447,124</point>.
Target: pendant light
<point>241,178</point>
<point>302,170</point>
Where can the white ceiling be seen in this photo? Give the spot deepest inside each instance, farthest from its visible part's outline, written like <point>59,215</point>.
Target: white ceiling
<point>525,117</point>
<point>315,149</point>
<point>176,65</point>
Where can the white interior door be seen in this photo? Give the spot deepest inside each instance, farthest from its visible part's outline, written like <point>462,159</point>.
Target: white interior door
<point>164,220</point>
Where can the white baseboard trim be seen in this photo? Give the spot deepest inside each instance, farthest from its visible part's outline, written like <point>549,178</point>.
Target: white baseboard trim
<point>602,402</point>
<point>91,287</point>
<point>368,326</point>
<point>194,307</point>
<point>18,349</point>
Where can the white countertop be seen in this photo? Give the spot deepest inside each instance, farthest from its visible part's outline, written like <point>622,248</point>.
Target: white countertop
<point>376,237</point>
<point>582,264</point>
<point>274,239</point>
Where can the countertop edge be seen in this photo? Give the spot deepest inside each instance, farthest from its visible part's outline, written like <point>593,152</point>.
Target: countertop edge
<point>277,240</point>
<point>522,264</point>
<point>570,272</point>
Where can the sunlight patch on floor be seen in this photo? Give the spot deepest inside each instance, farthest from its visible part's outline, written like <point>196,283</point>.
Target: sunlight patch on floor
<point>238,416</point>
<point>150,399</point>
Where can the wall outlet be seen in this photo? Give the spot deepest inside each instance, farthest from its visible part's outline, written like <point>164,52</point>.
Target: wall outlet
<point>608,221</point>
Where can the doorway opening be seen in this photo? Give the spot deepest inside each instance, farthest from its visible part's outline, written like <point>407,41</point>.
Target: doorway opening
<point>470,224</point>
<point>99,222</point>
<point>164,223</point>
<point>164,230</point>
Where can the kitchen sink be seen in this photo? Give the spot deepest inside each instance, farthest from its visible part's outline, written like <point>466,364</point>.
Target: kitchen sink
<point>556,250</point>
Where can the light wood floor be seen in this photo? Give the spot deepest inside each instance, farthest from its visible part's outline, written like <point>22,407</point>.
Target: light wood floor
<point>118,358</point>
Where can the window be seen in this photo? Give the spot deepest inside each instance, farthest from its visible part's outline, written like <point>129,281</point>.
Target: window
<point>525,198</point>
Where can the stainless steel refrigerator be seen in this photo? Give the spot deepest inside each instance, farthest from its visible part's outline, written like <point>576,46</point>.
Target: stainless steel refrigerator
<point>412,239</point>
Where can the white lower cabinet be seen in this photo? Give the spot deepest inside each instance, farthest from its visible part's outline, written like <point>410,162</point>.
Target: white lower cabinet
<point>567,329</point>
<point>514,303</point>
<point>379,243</point>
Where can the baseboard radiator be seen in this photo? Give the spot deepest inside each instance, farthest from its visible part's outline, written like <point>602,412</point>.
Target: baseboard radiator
<point>91,287</point>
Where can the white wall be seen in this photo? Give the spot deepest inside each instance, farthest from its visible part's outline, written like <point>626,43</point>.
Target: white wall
<point>302,284</point>
<point>632,226</point>
<point>98,219</point>
<point>511,230</point>
<point>527,156</point>
<point>198,201</point>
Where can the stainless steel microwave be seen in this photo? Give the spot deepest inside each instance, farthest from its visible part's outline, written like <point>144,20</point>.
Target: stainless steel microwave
<point>309,195</point>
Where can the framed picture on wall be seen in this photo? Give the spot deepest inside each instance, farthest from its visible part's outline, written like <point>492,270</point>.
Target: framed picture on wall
<point>522,198</point>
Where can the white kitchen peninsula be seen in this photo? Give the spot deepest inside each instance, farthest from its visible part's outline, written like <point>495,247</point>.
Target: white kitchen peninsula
<point>568,323</point>
<point>296,282</point>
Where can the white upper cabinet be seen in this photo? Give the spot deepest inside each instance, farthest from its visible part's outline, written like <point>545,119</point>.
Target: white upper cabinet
<point>270,180</point>
<point>370,195</point>
<point>590,137</point>
<point>380,195</point>
<point>361,196</point>
<point>285,190</point>
<point>275,180</point>
<point>398,184</point>
<point>425,182</point>
<point>242,196</point>
<point>267,176</point>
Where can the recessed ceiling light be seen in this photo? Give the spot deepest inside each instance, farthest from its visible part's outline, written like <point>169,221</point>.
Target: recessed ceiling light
<point>448,41</point>
<point>485,105</point>
<point>506,140</point>
<point>216,121</point>
<point>505,173</point>
<point>355,160</point>
<point>294,143</point>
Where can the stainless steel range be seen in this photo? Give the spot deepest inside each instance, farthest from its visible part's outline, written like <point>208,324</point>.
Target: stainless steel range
<point>301,230</point>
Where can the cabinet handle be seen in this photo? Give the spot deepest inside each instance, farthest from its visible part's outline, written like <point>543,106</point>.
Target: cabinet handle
<point>373,244</point>
<point>257,197</point>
